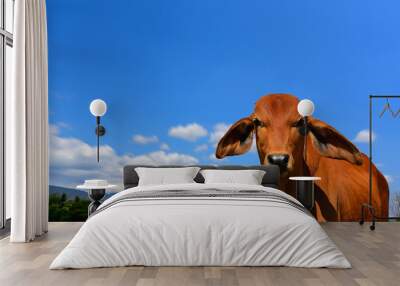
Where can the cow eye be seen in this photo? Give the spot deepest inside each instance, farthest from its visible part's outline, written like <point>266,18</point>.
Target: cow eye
<point>258,123</point>
<point>300,126</point>
<point>298,123</point>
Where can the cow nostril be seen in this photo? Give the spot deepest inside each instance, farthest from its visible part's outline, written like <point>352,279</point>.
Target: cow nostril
<point>279,159</point>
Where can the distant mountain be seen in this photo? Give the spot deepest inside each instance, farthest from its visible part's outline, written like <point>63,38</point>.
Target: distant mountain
<point>72,193</point>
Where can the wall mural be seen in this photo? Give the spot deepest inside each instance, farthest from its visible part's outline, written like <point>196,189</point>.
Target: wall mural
<point>177,76</point>
<point>276,124</point>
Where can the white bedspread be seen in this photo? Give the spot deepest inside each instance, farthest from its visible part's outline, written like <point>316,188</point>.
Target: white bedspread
<point>200,231</point>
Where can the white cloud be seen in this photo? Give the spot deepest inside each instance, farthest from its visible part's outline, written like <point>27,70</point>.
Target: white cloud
<point>201,148</point>
<point>254,146</point>
<point>72,161</point>
<point>144,140</point>
<point>363,136</point>
<point>189,132</point>
<point>389,179</point>
<point>63,125</point>
<point>53,129</point>
<point>163,158</point>
<point>164,146</point>
<point>56,127</point>
<point>213,158</point>
<point>219,130</point>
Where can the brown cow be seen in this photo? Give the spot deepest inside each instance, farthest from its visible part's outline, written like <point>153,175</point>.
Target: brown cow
<point>277,126</point>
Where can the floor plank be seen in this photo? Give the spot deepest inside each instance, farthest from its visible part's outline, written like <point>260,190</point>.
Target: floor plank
<point>375,257</point>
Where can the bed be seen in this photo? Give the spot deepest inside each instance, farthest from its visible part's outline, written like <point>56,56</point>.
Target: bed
<point>198,224</point>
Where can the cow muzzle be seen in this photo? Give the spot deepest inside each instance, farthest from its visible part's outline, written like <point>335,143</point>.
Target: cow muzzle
<point>281,160</point>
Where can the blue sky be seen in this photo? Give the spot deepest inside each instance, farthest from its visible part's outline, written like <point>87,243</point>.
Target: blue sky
<point>160,64</point>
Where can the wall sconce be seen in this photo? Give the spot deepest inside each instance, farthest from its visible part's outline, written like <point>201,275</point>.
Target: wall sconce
<point>98,108</point>
<point>305,109</point>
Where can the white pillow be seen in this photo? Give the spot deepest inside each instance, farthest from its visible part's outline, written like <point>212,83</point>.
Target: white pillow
<point>164,176</point>
<point>248,177</point>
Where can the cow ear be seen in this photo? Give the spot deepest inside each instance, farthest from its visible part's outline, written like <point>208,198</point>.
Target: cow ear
<point>330,143</point>
<point>237,140</point>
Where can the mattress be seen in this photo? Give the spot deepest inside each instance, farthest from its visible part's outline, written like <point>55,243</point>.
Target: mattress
<point>201,225</point>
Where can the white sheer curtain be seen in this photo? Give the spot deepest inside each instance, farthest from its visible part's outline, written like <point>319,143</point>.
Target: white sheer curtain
<point>27,124</point>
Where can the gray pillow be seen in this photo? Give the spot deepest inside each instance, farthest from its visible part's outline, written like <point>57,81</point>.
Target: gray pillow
<point>164,176</point>
<point>248,177</point>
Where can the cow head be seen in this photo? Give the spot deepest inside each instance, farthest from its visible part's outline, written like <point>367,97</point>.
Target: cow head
<point>279,130</point>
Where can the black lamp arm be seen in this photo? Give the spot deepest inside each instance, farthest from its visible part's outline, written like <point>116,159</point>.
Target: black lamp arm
<point>100,131</point>
<point>305,139</point>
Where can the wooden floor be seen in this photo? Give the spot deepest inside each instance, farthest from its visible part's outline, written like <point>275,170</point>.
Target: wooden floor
<point>375,257</point>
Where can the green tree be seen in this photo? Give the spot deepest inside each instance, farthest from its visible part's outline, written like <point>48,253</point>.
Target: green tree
<point>62,209</point>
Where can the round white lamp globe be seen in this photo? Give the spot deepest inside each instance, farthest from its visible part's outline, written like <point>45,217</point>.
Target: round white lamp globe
<point>98,107</point>
<point>305,107</point>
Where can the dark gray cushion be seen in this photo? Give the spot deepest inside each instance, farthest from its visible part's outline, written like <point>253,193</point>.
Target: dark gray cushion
<point>270,179</point>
